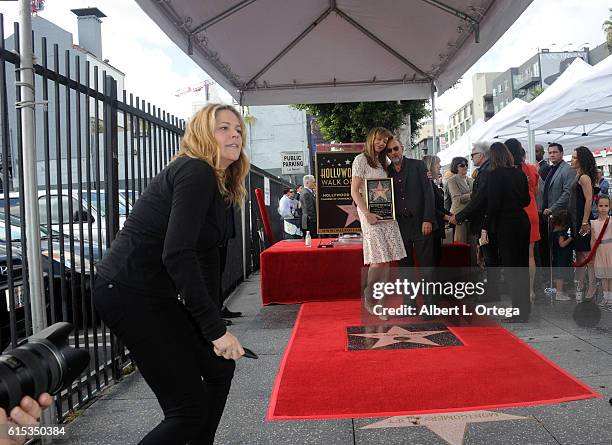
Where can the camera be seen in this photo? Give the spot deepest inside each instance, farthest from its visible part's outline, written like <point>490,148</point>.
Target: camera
<point>44,362</point>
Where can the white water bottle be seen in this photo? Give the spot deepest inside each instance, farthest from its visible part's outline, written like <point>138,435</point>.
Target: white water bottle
<point>308,239</point>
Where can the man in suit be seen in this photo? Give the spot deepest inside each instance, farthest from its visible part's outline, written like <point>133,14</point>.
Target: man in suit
<point>475,212</point>
<point>414,205</point>
<point>555,196</point>
<point>308,203</point>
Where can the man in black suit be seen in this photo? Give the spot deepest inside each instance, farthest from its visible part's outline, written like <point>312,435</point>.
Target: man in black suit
<point>414,205</point>
<point>475,212</point>
<point>308,204</point>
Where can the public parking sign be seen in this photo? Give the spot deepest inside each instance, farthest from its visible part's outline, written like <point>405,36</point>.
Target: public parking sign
<point>292,162</point>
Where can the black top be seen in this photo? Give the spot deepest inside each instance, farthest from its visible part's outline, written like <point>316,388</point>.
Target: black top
<point>543,169</point>
<point>440,209</point>
<point>508,195</point>
<point>475,210</point>
<point>170,241</point>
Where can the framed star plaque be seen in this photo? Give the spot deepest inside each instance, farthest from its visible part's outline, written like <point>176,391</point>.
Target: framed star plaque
<point>380,198</point>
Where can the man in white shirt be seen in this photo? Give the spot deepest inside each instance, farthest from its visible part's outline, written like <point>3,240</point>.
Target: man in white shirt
<point>288,210</point>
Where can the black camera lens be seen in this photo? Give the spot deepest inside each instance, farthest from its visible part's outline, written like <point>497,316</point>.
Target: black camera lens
<point>45,362</point>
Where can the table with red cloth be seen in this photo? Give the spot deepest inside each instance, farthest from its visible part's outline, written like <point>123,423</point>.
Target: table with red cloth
<point>293,273</point>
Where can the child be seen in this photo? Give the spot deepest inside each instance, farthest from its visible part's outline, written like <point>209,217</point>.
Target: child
<point>603,255</point>
<point>561,252</point>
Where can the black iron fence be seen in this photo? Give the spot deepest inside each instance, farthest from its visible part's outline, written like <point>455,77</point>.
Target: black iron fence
<point>97,150</point>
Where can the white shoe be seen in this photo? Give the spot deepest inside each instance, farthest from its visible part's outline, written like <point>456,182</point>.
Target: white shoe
<point>562,296</point>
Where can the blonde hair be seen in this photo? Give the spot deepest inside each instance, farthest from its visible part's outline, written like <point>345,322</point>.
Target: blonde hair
<point>199,142</point>
<point>370,153</point>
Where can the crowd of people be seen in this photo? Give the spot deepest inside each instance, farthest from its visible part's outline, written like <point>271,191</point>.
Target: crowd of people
<point>516,217</point>
<point>557,209</point>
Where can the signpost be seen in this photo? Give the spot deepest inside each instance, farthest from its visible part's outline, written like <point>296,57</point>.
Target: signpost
<point>292,163</point>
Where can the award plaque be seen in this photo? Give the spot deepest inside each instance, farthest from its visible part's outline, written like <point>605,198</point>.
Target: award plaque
<point>379,197</point>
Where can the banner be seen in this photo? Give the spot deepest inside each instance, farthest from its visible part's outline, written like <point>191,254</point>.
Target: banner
<point>292,162</point>
<point>336,212</point>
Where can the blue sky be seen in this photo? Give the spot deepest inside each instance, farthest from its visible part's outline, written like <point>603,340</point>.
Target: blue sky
<point>155,68</point>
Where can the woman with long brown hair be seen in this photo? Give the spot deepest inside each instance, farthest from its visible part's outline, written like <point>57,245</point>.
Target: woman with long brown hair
<point>507,196</point>
<point>382,240</point>
<point>579,208</point>
<point>168,248</point>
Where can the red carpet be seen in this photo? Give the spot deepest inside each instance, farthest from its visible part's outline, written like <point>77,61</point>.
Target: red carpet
<point>487,368</point>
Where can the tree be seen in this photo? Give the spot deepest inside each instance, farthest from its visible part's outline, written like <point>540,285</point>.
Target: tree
<point>351,122</point>
<point>607,27</point>
<point>534,93</point>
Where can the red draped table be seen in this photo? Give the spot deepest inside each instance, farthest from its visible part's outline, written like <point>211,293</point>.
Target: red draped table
<point>293,273</point>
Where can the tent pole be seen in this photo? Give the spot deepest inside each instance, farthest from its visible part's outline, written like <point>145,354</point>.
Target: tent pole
<point>530,143</point>
<point>434,145</point>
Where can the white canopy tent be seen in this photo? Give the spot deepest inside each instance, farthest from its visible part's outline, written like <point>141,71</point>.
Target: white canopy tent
<point>266,52</point>
<point>575,110</point>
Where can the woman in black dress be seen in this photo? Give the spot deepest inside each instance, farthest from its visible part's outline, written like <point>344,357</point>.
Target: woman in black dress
<point>507,196</point>
<point>580,202</point>
<point>169,247</point>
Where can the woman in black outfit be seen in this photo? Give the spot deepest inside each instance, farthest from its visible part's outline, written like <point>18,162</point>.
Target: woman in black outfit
<point>169,247</point>
<point>579,208</point>
<point>432,163</point>
<point>507,196</point>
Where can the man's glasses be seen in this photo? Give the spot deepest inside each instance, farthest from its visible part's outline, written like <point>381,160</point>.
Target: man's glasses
<point>392,149</point>
<point>474,154</point>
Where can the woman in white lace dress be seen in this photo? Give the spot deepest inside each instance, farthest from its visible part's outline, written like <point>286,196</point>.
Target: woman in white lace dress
<point>382,240</point>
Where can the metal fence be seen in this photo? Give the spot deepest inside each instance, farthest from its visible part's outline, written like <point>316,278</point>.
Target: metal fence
<point>97,150</point>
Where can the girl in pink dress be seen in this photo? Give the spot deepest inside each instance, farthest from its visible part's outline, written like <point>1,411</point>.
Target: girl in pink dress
<point>603,256</point>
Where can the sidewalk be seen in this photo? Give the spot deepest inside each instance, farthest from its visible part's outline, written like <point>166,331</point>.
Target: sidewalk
<point>128,410</point>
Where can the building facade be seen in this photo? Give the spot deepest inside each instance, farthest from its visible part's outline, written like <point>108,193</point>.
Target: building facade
<point>460,121</point>
<point>537,73</point>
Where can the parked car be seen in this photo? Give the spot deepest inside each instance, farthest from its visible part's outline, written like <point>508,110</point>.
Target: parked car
<point>18,298</point>
<point>90,212</point>
<point>75,270</point>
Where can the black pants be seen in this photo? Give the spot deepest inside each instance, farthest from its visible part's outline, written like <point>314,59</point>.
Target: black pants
<point>189,380</point>
<point>513,239</point>
<point>422,246</point>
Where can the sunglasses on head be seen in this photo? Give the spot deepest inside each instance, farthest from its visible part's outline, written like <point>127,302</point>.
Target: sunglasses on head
<point>392,149</point>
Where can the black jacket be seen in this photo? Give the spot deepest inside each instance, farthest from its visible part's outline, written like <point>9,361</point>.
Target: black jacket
<point>169,243</point>
<point>508,195</point>
<point>418,199</point>
<point>308,203</point>
<point>476,209</point>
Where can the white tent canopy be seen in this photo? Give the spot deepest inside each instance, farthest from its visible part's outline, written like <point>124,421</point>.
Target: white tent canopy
<point>551,102</point>
<point>575,110</point>
<point>266,52</point>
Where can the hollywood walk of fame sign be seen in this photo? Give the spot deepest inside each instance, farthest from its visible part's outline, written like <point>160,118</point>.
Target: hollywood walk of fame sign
<point>379,197</point>
<point>407,336</point>
<point>336,212</point>
<point>451,427</point>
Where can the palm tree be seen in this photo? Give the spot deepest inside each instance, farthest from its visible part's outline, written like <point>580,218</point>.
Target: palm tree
<point>607,26</point>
